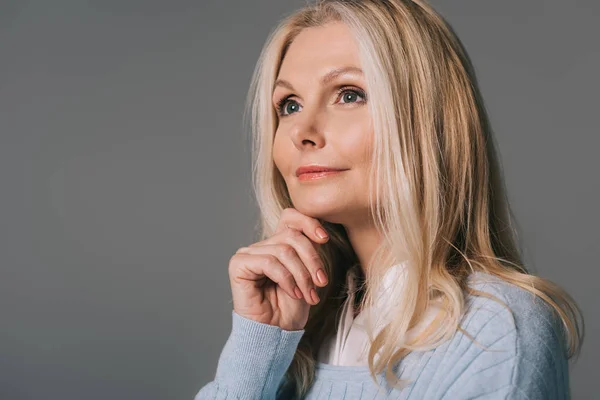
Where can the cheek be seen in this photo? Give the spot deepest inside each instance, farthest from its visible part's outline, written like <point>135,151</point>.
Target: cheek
<point>355,139</point>
<point>278,151</point>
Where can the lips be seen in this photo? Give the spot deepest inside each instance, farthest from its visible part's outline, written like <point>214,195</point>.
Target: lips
<point>311,169</point>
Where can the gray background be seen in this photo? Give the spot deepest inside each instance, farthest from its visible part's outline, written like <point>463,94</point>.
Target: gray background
<point>126,188</point>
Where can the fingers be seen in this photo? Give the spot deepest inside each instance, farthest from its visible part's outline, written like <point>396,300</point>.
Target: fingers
<point>288,257</point>
<point>253,267</point>
<point>311,227</point>
<point>304,249</point>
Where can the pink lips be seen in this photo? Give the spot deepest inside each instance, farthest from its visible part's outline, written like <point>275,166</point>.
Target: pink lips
<point>310,172</point>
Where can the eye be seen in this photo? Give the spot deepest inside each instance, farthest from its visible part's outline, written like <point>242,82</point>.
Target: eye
<point>288,105</point>
<point>350,95</point>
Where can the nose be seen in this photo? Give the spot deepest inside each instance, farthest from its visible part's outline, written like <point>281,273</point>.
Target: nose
<point>307,130</point>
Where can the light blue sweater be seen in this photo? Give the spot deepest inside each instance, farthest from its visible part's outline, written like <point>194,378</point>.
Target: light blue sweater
<point>526,359</point>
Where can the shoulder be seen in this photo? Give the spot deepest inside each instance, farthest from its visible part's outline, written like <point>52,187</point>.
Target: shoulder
<point>499,306</point>
<point>517,340</point>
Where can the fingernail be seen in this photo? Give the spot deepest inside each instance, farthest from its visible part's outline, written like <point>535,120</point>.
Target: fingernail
<point>321,233</point>
<point>298,292</point>
<point>314,296</point>
<point>321,277</point>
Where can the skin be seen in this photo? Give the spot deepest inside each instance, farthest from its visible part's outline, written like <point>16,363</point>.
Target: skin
<point>326,128</point>
<point>273,281</point>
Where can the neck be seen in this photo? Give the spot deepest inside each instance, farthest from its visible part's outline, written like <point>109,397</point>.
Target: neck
<point>364,239</point>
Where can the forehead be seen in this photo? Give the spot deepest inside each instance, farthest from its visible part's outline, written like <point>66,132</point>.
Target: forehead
<point>316,50</point>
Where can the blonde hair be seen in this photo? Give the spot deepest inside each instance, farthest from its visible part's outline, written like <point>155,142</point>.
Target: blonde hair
<point>439,198</point>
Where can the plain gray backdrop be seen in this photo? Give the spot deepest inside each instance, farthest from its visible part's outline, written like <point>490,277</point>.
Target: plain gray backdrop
<point>126,188</point>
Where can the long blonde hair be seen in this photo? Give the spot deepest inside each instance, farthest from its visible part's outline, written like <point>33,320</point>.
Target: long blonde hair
<point>439,197</point>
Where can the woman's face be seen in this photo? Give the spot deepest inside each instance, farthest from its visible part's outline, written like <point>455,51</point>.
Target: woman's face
<point>320,98</point>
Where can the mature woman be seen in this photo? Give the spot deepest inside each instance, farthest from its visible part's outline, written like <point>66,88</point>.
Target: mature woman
<point>388,263</point>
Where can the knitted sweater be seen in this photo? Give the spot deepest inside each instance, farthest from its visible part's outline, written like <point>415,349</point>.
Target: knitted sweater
<point>526,357</point>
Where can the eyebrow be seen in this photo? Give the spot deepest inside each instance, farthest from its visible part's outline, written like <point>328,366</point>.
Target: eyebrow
<point>328,77</point>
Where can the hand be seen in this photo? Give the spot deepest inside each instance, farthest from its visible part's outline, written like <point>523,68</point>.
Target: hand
<point>274,281</point>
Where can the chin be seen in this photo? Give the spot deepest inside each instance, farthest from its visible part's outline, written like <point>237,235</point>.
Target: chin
<point>324,212</point>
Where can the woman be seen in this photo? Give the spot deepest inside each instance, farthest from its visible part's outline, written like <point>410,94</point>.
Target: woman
<point>388,264</point>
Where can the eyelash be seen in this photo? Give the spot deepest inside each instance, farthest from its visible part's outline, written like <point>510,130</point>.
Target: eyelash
<point>281,103</point>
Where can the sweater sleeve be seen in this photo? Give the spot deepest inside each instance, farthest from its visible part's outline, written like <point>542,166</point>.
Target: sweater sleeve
<point>253,361</point>
<point>526,355</point>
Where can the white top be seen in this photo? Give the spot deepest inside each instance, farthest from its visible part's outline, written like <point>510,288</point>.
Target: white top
<point>349,346</point>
